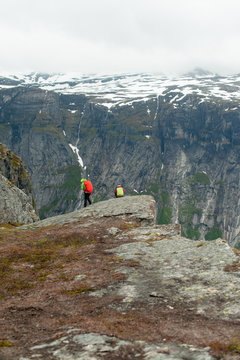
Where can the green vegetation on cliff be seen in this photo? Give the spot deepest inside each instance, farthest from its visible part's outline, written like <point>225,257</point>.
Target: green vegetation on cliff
<point>192,232</point>
<point>48,129</point>
<point>165,212</point>
<point>213,234</point>
<point>199,178</point>
<point>186,213</point>
<point>13,168</point>
<point>73,178</point>
<point>69,189</point>
<point>165,215</point>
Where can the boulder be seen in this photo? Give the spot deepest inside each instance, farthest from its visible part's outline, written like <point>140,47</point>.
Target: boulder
<point>140,207</point>
<point>15,205</point>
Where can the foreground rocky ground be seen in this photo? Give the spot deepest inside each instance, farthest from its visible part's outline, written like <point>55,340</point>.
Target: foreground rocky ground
<point>106,283</point>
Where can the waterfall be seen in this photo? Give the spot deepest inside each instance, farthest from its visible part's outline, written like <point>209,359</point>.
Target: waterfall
<point>79,125</point>
<point>80,161</point>
<point>156,113</point>
<point>210,205</point>
<point>175,202</point>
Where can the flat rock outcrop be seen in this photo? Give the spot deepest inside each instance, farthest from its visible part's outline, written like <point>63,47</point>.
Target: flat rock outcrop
<point>142,208</point>
<point>105,282</point>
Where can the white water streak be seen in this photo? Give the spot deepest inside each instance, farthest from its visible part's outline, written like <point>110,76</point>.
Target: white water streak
<point>208,209</point>
<point>175,207</point>
<point>79,125</point>
<point>80,161</point>
<point>76,151</point>
<point>156,113</point>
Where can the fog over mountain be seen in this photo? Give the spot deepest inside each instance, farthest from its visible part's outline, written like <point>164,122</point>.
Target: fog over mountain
<point>120,37</point>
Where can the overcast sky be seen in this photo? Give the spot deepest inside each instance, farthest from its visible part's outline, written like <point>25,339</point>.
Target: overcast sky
<point>114,36</point>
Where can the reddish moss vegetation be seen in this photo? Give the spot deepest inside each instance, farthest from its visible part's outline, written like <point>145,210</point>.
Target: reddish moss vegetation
<point>55,253</point>
<point>47,281</point>
<point>235,266</point>
<point>225,348</point>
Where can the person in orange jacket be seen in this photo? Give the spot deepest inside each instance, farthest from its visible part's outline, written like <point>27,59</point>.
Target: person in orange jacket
<point>119,191</point>
<point>87,188</point>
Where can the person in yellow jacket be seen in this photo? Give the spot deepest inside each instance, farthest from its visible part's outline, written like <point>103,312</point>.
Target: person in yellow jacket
<point>119,191</point>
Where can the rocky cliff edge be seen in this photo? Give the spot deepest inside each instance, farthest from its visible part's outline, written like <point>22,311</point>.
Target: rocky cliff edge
<point>16,200</point>
<point>15,205</point>
<point>105,282</point>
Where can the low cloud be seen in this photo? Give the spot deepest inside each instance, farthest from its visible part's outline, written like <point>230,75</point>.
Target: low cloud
<point>127,36</point>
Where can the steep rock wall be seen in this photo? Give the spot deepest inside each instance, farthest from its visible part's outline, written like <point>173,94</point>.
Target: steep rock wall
<point>186,157</point>
<point>17,204</point>
<point>12,167</point>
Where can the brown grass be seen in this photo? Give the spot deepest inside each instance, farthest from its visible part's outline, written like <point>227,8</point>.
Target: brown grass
<point>234,267</point>
<point>42,298</point>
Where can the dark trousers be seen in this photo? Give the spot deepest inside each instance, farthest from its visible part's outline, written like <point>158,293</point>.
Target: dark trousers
<point>87,199</point>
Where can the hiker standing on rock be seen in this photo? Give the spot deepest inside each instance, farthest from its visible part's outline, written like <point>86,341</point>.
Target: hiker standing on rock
<point>87,188</point>
<point>119,191</point>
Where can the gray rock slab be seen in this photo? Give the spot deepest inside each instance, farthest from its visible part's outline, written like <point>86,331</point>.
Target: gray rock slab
<point>181,270</point>
<point>95,346</point>
<point>140,207</point>
<point>15,205</point>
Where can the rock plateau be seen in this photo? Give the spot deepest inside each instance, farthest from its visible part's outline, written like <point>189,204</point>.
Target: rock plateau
<point>106,282</point>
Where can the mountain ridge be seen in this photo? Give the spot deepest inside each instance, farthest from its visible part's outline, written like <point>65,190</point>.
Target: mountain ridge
<point>118,90</point>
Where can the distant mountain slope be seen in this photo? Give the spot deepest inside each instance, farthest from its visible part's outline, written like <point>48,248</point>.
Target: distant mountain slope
<point>175,138</point>
<point>112,90</point>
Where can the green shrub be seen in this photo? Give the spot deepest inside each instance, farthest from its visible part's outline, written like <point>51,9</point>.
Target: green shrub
<point>192,233</point>
<point>153,188</point>
<point>213,234</point>
<point>199,178</point>
<point>73,178</point>
<point>187,211</point>
<point>165,197</point>
<point>5,343</point>
<point>165,216</point>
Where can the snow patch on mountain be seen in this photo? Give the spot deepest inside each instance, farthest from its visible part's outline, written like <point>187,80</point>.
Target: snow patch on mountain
<point>119,90</point>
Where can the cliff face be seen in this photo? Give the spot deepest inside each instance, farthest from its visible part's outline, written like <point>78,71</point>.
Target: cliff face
<point>17,204</point>
<point>32,123</point>
<point>188,158</point>
<point>186,154</point>
<point>12,168</point>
